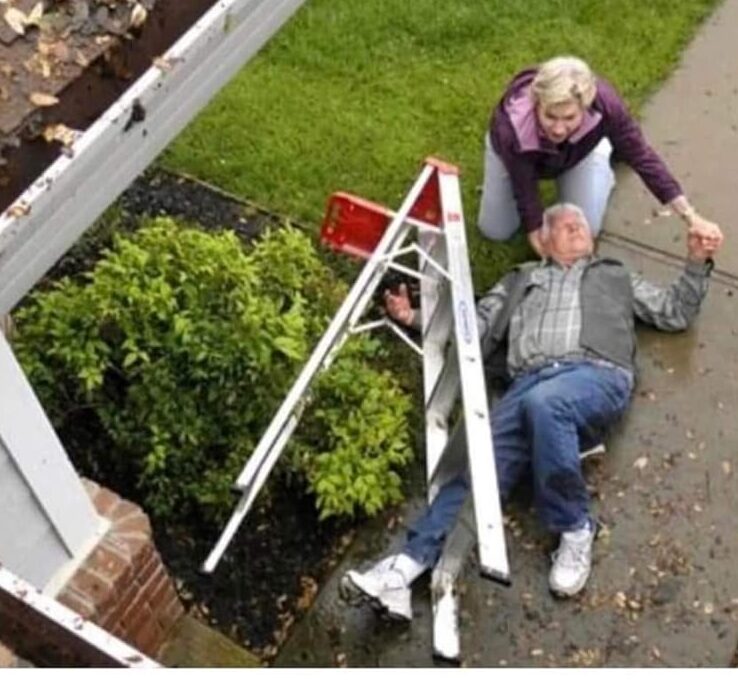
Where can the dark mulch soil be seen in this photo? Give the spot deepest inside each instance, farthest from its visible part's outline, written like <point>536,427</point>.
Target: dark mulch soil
<point>159,193</point>
<point>268,577</point>
<point>282,553</point>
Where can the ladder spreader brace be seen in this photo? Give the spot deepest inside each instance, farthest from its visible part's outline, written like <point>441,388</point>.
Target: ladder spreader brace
<point>451,357</point>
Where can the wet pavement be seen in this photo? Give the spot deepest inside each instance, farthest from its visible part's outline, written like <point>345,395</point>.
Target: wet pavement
<point>664,588</point>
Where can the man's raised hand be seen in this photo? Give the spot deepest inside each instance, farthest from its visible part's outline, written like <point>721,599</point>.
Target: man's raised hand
<point>398,305</point>
<point>702,246</point>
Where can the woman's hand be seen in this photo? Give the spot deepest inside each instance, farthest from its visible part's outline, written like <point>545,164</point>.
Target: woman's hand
<point>537,242</point>
<point>398,306</point>
<point>710,234</point>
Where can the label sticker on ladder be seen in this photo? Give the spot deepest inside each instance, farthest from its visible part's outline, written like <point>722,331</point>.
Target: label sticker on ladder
<point>465,326</point>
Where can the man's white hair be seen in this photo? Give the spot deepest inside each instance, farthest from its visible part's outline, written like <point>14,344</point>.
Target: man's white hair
<point>554,212</point>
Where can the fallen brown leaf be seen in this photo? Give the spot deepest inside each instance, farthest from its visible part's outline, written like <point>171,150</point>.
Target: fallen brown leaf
<point>641,463</point>
<point>35,15</point>
<point>18,210</point>
<point>309,591</point>
<point>138,15</point>
<point>162,63</point>
<point>58,132</point>
<point>16,19</point>
<point>43,99</point>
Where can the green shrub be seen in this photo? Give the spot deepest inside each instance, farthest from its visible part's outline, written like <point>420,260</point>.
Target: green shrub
<point>358,428</point>
<point>182,345</point>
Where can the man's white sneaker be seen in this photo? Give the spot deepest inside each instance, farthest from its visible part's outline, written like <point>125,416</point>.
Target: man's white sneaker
<point>386,585</point>
<point>572,561</point>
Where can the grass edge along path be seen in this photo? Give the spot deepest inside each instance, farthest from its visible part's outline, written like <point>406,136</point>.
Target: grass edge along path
<point>353,95</point>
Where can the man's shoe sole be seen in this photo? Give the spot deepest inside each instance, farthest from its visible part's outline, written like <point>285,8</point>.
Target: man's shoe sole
<point>354,595</point>
<point>572,593</point>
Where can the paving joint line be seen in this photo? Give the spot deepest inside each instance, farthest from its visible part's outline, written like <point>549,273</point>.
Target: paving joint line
<point>665,257</point>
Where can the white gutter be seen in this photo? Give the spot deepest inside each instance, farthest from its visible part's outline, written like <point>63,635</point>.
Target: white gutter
<point>65,624</point>
<point>50,216</point>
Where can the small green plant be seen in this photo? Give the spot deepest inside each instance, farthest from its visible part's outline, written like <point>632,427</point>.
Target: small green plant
<point>182,345</point>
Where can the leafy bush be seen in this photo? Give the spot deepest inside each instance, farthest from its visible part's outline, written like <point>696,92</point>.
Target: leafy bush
<point>182,345</point>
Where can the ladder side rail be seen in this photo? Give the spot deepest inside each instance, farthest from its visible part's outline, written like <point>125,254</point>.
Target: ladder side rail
<point>270,447</point>
<point>443,398</point>
<point>436,323</point>
<point>435,299</point>
<point>349,312</point>
<point>249,495</point>
<point>285,420</point>
<point>322,356</point>
<point>458,546</point>
<point>436,337</point>
<point>483,474</point>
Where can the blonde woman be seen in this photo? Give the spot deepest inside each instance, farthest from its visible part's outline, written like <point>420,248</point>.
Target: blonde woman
<point>560,121</point>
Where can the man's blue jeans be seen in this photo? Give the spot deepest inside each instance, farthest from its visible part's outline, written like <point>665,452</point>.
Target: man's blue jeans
<point>539,427</point>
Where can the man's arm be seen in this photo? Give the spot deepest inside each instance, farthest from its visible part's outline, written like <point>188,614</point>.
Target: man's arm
<point>399,308</point>
<point>673,308</point>
<point>489,308</point>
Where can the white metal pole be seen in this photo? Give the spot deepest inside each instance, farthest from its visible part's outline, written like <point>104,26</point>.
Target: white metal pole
<point>37,453</point>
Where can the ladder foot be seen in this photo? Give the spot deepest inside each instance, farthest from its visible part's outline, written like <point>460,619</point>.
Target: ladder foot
<point>496,576</point>
<point>446,644</point>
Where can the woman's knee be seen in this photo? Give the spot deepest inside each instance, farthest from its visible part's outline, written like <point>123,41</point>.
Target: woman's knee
<point>497,225</point>
<point>589,184</point>
<point>498,215</point>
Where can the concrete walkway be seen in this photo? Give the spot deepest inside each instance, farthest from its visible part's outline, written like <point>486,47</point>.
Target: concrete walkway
<point>664,591</point>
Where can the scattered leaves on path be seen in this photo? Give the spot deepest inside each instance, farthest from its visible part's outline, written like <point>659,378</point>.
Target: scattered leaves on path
<point>641,463</point>
<point>43,99</point>
<point>16,20</point>
<point>60,133</point>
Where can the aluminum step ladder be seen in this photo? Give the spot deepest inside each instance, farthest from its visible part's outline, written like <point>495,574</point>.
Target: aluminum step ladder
<point>452,364</point>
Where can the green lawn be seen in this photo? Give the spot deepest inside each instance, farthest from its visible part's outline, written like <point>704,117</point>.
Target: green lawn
<point>353,94</point>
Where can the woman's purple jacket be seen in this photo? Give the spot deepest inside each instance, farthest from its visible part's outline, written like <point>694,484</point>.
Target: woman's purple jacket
<point>528,156</point>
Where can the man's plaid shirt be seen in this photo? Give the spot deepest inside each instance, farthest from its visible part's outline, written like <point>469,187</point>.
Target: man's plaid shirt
<point>545,327</point>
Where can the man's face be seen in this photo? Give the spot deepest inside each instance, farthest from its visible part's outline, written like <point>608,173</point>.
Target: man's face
<point>559,121</point>
<point>569,238</point>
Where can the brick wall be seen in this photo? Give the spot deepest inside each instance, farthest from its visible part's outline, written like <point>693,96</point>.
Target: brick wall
<point>123,585</point>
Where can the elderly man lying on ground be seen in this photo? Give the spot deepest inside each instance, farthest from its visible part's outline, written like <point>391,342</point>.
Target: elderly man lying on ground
<point>570,355</point>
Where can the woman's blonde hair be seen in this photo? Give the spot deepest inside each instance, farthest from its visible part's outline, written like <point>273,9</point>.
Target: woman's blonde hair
<point>564,79</point>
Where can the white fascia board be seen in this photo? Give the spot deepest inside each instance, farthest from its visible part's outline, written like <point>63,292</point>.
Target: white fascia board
<point>35,450</point>
<point>116,651</point>
<point>61,204</point>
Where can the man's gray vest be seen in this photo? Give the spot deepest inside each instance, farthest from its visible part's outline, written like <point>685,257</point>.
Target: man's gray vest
<point>608,327</point>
